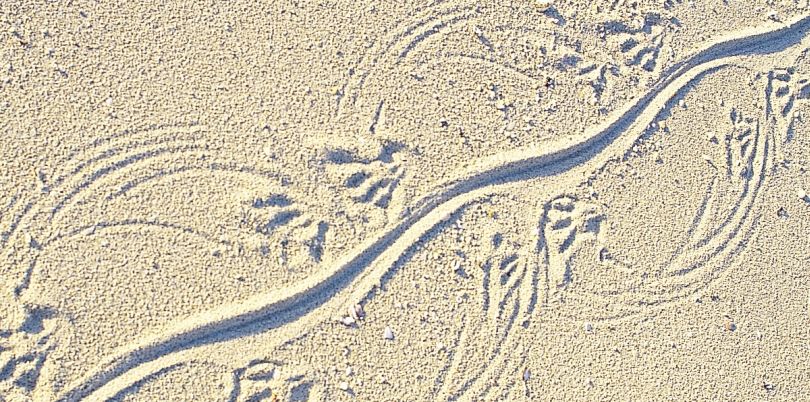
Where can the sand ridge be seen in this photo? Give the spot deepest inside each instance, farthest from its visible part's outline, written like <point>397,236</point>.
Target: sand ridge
<point>509,167</point>
<point>260,255</point>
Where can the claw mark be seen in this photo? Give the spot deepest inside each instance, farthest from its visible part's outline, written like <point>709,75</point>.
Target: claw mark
<point>644,54</point>
<point>315,244</point>
<point>379,192</point>
<point>402,42</point>
<point>274,200</point>
<point>505,302</point>
<point>567,224</point>
<point>625,128</point>
<point>280,219</point>
<point>372,181</point>
<point>785,89</point>
<point>356,179</point>
<point>271,380</point>
<point>283,214</point>
<point>597,76</point>
<point>373,128</point>
<point>24,349</point>
<point>479,33</point>
<point>641,45</point>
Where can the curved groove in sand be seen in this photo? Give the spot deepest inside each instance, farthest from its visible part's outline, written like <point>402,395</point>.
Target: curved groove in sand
<point>307,301</point>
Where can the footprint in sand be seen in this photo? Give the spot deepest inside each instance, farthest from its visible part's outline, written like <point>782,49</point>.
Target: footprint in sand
<point>27,337</point>
<point>272,381</point>
<point>369,181</point>
<point>110,200</point>
<point>570,228</point>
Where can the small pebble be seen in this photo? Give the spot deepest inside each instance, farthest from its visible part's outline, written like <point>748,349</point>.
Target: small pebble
<point>31,241</point>
<point>349,371</point>
<point>347,321</point>
<point>542,4</point>
<point>344,386</point>
<point>356,312</point>
<point>588,327</point>
<point>801,194</point>
<point>527,375</point>
<point>388,334</point>
<point>730,326</point>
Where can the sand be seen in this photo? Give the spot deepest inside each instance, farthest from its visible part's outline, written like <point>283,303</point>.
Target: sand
<point>405,201</point>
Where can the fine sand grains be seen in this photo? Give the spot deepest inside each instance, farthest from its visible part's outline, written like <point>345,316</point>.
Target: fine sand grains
<point>419,200</point>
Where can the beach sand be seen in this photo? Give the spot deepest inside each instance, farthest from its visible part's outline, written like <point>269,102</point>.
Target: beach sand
<point>405,201</point>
